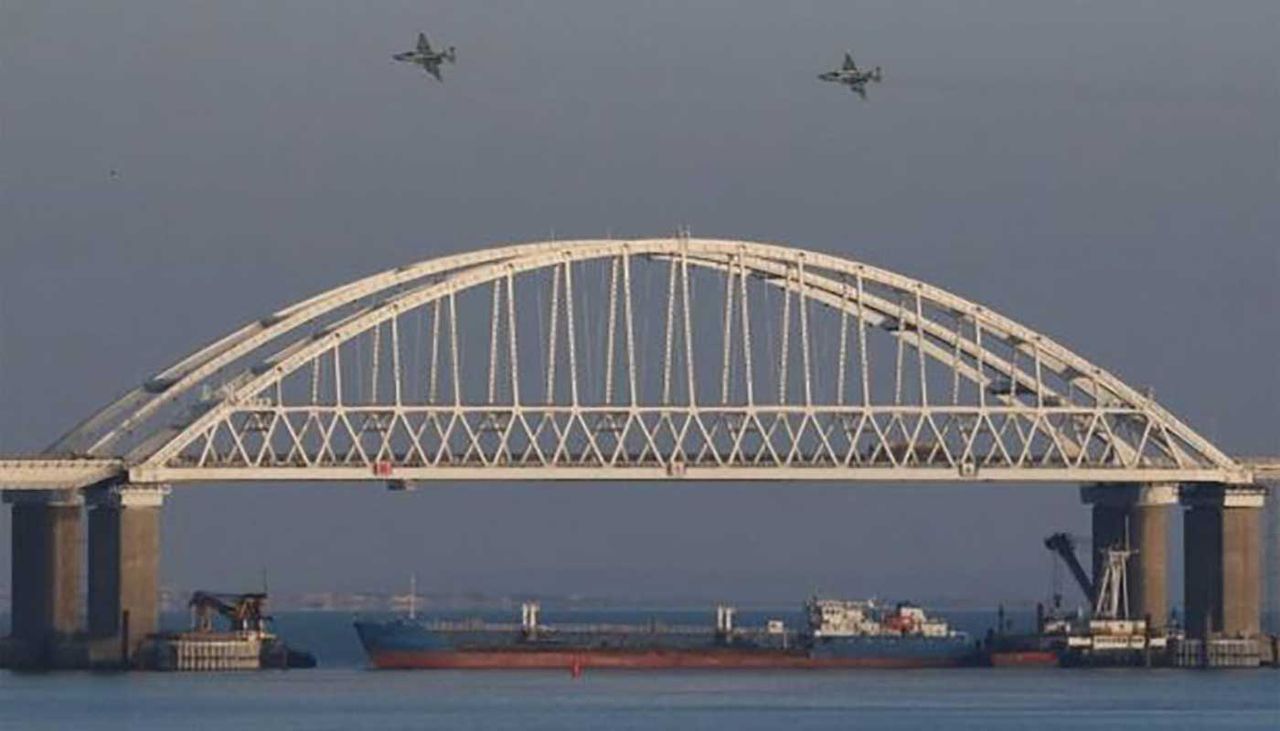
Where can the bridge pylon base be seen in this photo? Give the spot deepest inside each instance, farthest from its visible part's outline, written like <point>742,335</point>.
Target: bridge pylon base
<point>46,555</point>
<point>124,567</point>
<point>1222,541</point>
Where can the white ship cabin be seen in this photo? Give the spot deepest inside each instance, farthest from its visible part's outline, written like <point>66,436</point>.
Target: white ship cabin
<point>842,618</point>
<point>910,619</point>
<point>1117,627</point>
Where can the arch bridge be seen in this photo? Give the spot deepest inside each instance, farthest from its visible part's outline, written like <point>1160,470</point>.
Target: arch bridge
<point>669,358</point>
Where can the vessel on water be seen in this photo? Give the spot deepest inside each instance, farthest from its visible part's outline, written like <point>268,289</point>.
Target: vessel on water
<point>838,634</point>
<point>246,643</point>
<point>1105,636</point>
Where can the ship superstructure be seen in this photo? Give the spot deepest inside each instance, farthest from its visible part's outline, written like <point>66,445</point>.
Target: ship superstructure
<point>844,618</point>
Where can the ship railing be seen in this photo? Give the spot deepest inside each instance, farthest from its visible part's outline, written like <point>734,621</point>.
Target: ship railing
<point>598,628</point>
<point>566,628</point>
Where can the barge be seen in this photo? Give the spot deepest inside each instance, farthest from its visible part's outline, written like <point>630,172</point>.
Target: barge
<point>246,644</point>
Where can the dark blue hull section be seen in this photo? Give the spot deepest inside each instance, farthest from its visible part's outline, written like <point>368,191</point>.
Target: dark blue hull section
<point>890,646</point>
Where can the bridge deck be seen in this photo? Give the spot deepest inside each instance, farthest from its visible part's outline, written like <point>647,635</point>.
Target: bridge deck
<point>73,473</point>
<point>39,473</point>
<point>1264,469</point>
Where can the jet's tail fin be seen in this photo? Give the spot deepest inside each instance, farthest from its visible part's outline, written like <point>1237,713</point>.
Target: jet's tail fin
<point>451,54</point>
<point>849,65</point>
<point>876,75</point>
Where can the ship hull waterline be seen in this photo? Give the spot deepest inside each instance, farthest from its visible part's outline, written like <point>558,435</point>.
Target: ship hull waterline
<point>639,660</point>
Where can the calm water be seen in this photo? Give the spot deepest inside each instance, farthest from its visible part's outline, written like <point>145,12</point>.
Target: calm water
<point>343,694</point>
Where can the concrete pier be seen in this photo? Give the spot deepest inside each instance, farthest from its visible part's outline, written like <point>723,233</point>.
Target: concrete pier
<point>47,553</point>
<point>1149,567</point>
<point>124,567</point>
<point>1136,516</point>
<point>1222,541</point>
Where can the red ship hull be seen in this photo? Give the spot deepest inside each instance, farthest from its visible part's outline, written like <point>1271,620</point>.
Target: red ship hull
<point>639,660</point>
<point>1024,658</point>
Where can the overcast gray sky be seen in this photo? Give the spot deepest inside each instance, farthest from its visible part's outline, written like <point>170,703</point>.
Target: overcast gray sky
<point>1105,172</point>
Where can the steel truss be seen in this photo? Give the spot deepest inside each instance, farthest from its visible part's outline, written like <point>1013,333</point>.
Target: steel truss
<point>642,359</point>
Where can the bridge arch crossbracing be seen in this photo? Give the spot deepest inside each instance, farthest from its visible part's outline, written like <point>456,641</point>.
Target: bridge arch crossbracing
<point>740,360</point>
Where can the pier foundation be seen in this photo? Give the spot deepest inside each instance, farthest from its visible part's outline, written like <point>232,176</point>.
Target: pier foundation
<point>1222,543</point>
<point>1136,516</point>
<point>124,567</point>
<point>46,556</point>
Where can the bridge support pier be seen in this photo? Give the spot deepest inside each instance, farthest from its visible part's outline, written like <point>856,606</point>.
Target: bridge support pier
<point>1136,516</point>
<point>124,568</point>
<point>1222,542</point>
<point>46,556</point>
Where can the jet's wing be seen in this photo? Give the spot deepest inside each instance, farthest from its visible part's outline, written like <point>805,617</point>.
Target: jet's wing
<point>859,89</point>
<point>849,65</point>
<point>423,45</point>
<point>433,69</point>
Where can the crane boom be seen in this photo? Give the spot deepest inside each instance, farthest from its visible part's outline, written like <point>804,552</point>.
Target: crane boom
<point>243,611</point>
<point>1065,546</point>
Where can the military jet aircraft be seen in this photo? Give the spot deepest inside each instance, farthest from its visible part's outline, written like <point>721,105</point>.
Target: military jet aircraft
<point>428,59</point>
<point>851,76</point>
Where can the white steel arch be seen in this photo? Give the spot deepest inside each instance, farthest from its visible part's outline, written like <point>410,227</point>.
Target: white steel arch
<point>742,360</point>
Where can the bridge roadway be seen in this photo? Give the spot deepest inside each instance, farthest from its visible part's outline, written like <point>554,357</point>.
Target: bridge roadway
<point>588,360</point>
<point>1261,469</point>
<point>41,474</point>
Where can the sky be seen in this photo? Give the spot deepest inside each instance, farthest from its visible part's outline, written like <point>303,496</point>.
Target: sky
<point>1104,172</point>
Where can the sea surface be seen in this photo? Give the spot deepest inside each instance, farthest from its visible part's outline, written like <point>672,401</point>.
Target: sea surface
<point>343,693</point>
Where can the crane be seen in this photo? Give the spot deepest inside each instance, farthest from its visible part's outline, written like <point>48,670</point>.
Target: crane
<point>243,611</point>
<point>1112,601</point>
<point>1065,546</point>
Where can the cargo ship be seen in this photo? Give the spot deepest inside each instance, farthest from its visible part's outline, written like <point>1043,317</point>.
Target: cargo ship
<point>838,634</point>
